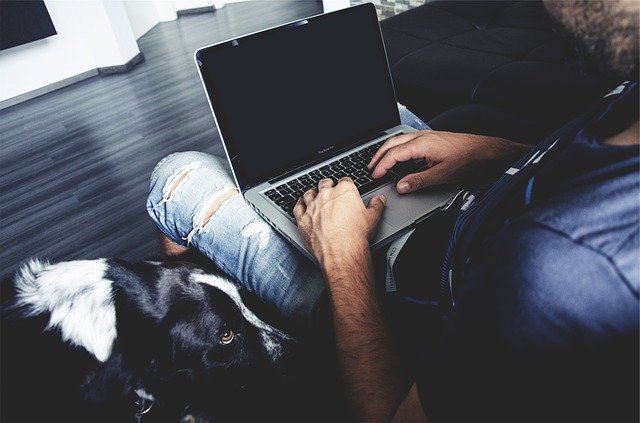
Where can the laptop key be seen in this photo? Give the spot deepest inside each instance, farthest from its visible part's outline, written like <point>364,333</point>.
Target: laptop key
<point>289,209</point>
<point>272,194</point>
<point>371,185</point>
<point>361,181</point>
<point>351,170</point>
<point>284,200</point>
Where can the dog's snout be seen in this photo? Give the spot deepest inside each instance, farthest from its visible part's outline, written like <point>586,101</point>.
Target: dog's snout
<point>289,359</point>
<point>276,343</point>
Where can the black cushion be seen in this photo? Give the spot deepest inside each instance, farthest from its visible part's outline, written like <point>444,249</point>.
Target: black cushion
<point>488,67</point>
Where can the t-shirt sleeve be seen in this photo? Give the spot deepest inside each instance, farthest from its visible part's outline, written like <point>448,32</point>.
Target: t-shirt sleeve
<point>544,328</point>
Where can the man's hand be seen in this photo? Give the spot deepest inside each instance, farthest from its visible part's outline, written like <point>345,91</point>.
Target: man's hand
<point>452,157</point>
<point>334,222</point>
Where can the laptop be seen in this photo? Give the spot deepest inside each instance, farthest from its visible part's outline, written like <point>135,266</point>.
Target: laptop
<point>307,100</point>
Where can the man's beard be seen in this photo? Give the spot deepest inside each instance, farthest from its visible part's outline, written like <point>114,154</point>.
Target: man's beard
<point>606,32</point>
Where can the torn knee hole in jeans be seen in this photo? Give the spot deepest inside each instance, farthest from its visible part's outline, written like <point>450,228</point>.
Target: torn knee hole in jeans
<point>202,217</point>
<point>175,181</point>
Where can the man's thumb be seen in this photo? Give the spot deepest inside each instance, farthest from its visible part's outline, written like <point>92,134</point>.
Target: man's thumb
<point>377,204</point>
<point>416,181</point>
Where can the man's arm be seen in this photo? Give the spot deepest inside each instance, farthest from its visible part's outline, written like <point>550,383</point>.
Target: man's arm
<point>376,381</point>
<point>337,227</point>
<point>452,158</point>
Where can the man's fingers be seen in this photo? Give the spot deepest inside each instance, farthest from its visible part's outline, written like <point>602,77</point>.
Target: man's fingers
<point>390,143</point>
<point>416,181</point>
<point>299,209</point>
<point>325,183</point>
<point>309,195</point>
<point>345,179</point>
<point>376,206</point>
<point>305,202</point>
<point>397,154</point>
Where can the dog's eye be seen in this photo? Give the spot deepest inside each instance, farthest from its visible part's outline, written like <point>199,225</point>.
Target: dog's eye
<point>227,337</point>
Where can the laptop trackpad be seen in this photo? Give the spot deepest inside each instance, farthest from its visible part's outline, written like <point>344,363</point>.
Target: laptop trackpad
<point>405,209</point>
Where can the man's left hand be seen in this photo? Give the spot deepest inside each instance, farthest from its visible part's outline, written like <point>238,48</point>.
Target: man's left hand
<point>334,221</point>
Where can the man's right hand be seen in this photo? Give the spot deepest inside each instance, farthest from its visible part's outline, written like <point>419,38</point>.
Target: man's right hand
<point>451,157</point>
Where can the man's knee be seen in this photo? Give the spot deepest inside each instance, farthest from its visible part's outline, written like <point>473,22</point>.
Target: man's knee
<point>172,164</point>
<point>172,172</point>
<point>188,188</point>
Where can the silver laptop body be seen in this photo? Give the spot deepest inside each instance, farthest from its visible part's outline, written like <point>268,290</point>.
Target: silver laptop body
<point>290,100</point>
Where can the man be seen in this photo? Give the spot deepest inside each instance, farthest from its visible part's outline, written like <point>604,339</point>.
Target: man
<point>533,312</point>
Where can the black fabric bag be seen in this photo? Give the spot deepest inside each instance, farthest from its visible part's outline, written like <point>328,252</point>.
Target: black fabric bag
<point>418,266</point>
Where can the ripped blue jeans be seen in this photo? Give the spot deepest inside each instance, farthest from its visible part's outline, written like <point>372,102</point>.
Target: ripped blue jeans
<point>183,188</point>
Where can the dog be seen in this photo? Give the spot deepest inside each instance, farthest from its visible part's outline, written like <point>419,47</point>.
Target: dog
<point>157,340</point>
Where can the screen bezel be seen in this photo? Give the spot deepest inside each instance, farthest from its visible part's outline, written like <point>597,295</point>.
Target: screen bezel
<point>241,176</point>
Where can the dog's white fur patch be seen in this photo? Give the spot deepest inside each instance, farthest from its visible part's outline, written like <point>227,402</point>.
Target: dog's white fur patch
<point>78,298</point>
<point>270,336</point>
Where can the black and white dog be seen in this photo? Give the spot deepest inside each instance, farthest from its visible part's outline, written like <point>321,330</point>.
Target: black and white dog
<point>117,341</point>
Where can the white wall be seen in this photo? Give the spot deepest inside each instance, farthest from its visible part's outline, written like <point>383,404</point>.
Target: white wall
<point>114,35</point>
<point>190,4</point>
<point>143,15</point>
<point>194,4</point>
<point>91,34</point>
<point>331,5</point>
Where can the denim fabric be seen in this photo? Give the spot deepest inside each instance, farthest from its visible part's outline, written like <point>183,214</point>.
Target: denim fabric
<point>544,323</point>
<point>183,187</point>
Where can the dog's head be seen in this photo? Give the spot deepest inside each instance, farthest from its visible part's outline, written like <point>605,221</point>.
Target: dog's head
<point>212,333</point>
<point>169,332</point>
<point>209,347</point>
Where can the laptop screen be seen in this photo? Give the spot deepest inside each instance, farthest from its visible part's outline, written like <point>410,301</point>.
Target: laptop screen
<point>290,96</point>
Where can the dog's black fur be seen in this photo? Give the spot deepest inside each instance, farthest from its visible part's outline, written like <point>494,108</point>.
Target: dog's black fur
<point>168,349</point>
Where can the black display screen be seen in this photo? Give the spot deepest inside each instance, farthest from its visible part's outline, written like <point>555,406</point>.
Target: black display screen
<point>292,95</point>
<point>22,22</point>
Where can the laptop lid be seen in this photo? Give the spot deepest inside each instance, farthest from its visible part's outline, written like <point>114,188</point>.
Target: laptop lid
<point>291,96</point>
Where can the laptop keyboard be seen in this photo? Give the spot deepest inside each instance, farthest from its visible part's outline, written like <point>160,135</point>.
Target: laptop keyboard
<point>354,166</point>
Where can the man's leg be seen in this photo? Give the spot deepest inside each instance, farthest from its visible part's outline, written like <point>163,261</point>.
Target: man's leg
<point>195,203</point>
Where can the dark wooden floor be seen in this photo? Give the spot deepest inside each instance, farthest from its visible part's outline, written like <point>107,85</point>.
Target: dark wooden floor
<point>75,163</point>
